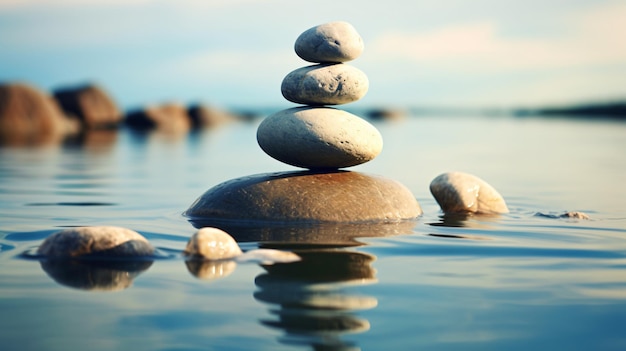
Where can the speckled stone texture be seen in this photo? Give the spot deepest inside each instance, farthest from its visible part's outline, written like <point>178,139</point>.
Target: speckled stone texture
<point>307,197</point>
<point>329,42</point>
<point>319,138</point>
<point>95,241</point>
<point>325,84</point>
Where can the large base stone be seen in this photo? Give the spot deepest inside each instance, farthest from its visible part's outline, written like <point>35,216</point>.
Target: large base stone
<point>306,197</point>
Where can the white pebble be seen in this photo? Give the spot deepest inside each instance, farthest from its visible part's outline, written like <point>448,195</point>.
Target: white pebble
<point>329,42</point>
<point>212,244</point>
<point>458,192</point>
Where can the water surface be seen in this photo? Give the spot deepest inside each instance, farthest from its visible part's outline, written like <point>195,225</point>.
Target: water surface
<point>518,281</point>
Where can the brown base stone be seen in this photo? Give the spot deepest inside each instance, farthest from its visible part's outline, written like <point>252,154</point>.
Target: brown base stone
<point>348,204</point>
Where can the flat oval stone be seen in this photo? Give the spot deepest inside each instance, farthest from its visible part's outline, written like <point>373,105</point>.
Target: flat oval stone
<point>212,244</point>
<point>325,84</point>
<point>329,42</point>
<point>95,241</point>
<point>319,138</point>
<point>306,197</point>
<point>458,192</point>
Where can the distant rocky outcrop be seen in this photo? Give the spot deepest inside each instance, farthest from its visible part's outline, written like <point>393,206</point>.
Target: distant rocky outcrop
<point>610,110</point>
<point>29,115</point>
<point>387,114</point>
<point>169,117</point>
<point>90,104</point>
<point>205,116</point>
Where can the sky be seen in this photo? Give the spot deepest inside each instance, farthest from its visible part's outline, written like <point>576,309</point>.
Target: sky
<point>235,53</point>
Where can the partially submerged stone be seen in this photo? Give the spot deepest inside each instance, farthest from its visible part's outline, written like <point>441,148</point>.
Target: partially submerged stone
<point>214,254</point>
<point>575,215</point>
<point>329,42</point>
<point>319,138</point>
<point>568,215</point>
<point>29,115</point>
<point>325,84</point>
<point>90,104</point>
<point>386,114</point>
<point>102,241</point>
<point>212,244</point>
<point>307,197</point>
<point>205,116</point>
<point>458,192</point>
<point>169,118</point>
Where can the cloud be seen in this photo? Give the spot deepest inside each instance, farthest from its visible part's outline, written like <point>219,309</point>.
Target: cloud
<point>235,63</point>
<point>31,4</point>
<point>24,4</point>
<point>589,38</point>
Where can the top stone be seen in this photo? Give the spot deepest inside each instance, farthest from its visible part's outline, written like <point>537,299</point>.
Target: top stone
<point>330,42</point>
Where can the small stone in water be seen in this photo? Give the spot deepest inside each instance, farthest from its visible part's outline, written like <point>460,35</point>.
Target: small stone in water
<point>212,244</point>
<point>95,241</point>
<point>575,214</point>
<point>458,192</point>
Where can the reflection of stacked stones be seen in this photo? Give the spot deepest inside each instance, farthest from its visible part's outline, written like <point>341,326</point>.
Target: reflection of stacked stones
<point>319,138</point>
<point>310,300</point>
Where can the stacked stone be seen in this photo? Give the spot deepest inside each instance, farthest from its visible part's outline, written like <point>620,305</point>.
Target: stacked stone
<point>316,136</point>
<point>320,138</point>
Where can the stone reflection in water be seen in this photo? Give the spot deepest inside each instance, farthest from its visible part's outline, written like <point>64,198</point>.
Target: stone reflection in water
<point>311,234</point>
<point>210,270</point>
<point>467,220</point>
<point>94,275</point>
<point>312,303</point>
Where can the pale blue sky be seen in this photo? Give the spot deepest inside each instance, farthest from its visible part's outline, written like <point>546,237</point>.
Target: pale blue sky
<point>235,53</point>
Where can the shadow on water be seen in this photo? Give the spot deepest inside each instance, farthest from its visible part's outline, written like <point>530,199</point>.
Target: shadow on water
<point>309,300</point>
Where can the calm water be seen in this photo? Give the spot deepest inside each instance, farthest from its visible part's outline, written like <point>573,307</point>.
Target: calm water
<point>513,282</point>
